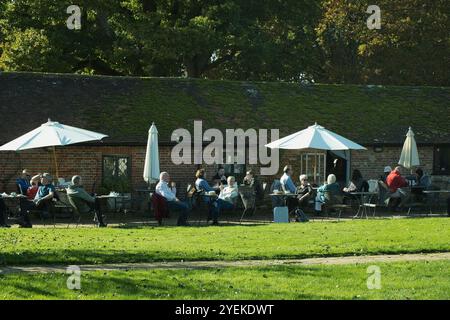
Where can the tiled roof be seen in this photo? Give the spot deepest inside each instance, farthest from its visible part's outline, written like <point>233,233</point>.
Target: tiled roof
<point>124,108</point>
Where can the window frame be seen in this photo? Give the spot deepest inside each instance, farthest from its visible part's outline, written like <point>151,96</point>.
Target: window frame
<point>116,159</point>
<point>437,165</point>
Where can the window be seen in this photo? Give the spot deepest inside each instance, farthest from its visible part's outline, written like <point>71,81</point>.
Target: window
<point>236,170</point>
<point>117,173</point>
<point>313,165</point>
<point>442,160</point>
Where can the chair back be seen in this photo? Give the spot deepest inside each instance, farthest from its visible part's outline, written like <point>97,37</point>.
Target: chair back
<point>248,196</point>
<point>373,185</point>
<point>74,204</point>
<point>191,191</point>
<point>20,191</point>
<point>331,198</point>
<point>160,206</point>
<point>276,185</point>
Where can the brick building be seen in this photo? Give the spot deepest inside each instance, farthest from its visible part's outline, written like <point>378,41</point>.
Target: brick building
<point>124,108</point>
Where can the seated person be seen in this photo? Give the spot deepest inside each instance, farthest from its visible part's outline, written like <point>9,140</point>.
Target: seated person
<point>286,181</point>
<point>304,191</point>
<point>226,199</point>
<point>422,183</point>
<point>173,202</point>
<point>288,186</point>
<point>3,223</point>
<point>220,178</point>
<point>253,181</point>
<point>201,184</point>
<point>23,182</point>
<point>387,171</point>
<point>331,187</point>
<point>422,179</point>
<point>395,182</point>
<point>357,184</point>
<point>83,201</point>
<point>44,197</point>
<point>35,183</point>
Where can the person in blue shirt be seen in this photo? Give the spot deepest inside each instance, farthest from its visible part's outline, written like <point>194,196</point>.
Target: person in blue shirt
<point>422,179</point>
<point>23,182</point>
<point>331,186</point>
<point>286,180</point>
<point>423,182</point>
<point>42,200</point>
<point>201,184</point>
<point>288,186</point>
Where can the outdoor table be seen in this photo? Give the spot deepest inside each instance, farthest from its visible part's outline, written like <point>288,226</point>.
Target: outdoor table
<point>438,193</point>
<point>143,199</point>
<point>18,196</point>
<point>11,201</point>
<point>106,197</point>
<point>212,196</point>
<point>285,196</point>
<point>362,198</point>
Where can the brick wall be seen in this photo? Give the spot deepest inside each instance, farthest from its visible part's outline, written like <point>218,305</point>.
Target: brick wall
<point>87,162</point>
<point>371,164</point>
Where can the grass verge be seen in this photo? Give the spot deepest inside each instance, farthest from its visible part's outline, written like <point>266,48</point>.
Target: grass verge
<point>115,245</point>
<point>399,281</point>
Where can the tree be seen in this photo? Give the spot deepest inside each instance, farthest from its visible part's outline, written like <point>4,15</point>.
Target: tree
<point>236,39</point>
<point>411,48</point>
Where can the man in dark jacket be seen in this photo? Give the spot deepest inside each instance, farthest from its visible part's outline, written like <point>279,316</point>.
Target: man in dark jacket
<point>2,214</point>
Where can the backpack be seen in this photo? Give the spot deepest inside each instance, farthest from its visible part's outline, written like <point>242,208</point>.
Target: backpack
<point>301,216</point>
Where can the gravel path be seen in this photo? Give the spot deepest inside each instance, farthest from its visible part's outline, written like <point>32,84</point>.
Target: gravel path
<point>225,264</point>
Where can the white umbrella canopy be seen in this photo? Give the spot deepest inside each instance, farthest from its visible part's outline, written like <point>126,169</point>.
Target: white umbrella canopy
<point>410,155</point>
<point>151,166</point>
<point>51,134</point>
<point>315,137</point>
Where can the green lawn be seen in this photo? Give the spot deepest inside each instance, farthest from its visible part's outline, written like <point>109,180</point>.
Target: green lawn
<point>114,245</point>
<point>409,280</point>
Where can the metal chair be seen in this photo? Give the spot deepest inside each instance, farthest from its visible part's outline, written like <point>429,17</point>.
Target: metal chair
<point>248,197</point>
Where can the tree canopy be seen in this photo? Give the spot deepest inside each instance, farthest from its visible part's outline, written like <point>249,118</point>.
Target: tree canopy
<point>290,40</point>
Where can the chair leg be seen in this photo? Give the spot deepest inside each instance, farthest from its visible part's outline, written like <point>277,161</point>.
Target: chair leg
<point>243,214</point>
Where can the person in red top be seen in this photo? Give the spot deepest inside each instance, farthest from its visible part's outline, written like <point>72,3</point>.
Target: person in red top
<point>35,183</point>
<point>395,182</point>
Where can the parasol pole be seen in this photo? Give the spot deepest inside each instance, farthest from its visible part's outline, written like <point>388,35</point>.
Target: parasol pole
<point>56,162</point>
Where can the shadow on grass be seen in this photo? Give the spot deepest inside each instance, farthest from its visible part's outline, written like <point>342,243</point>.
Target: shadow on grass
<point>232,284</point>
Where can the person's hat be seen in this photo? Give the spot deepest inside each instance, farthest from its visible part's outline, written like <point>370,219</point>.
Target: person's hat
<point>387,169</point>
<point>48,176</point>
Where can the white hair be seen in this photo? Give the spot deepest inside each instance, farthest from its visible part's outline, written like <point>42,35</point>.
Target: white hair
<point>48,177</point>
<point>331,179</point>
<point>303,177</point>
<point>161,176</point>
<point>76,179</point>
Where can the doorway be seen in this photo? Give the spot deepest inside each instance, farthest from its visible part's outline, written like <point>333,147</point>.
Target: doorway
<point>338,164</point>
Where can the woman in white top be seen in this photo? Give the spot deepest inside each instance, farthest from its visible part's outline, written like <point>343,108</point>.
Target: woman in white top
<point>226,199</point>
